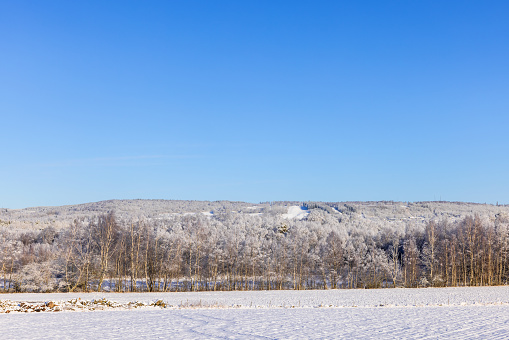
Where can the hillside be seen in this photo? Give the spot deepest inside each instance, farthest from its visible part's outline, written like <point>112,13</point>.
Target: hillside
<point>129,245</point>
<point>379,214</point>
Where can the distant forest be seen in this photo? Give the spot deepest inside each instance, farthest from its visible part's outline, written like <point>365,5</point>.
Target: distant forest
<point>155,245</point>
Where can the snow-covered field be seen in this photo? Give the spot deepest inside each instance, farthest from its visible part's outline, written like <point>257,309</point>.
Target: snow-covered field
<point>459,313</point>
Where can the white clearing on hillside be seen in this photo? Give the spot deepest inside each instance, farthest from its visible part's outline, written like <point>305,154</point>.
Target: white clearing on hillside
<point>296,213</point>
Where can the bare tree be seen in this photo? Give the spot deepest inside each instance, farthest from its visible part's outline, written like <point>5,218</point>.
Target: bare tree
<point>104,234</point>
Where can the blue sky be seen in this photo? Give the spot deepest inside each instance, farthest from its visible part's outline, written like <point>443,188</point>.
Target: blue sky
<point>253,101</point>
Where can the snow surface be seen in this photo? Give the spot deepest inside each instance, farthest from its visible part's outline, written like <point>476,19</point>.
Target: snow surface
<point>296,212</point>
<point>452,313</point>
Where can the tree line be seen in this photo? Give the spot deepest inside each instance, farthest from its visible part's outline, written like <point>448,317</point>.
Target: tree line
<point>243,252</point>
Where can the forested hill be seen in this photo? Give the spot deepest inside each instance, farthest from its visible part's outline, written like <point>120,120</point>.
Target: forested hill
<point>153,245</point>
<point>384,214</point>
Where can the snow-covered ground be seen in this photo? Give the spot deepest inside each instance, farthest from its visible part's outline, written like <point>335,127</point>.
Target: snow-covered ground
<point>455,313</point>
<point>399,297</point>
<point>300,323</point>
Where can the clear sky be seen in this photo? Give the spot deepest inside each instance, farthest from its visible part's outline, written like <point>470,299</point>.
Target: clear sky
<point>253,101</point>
